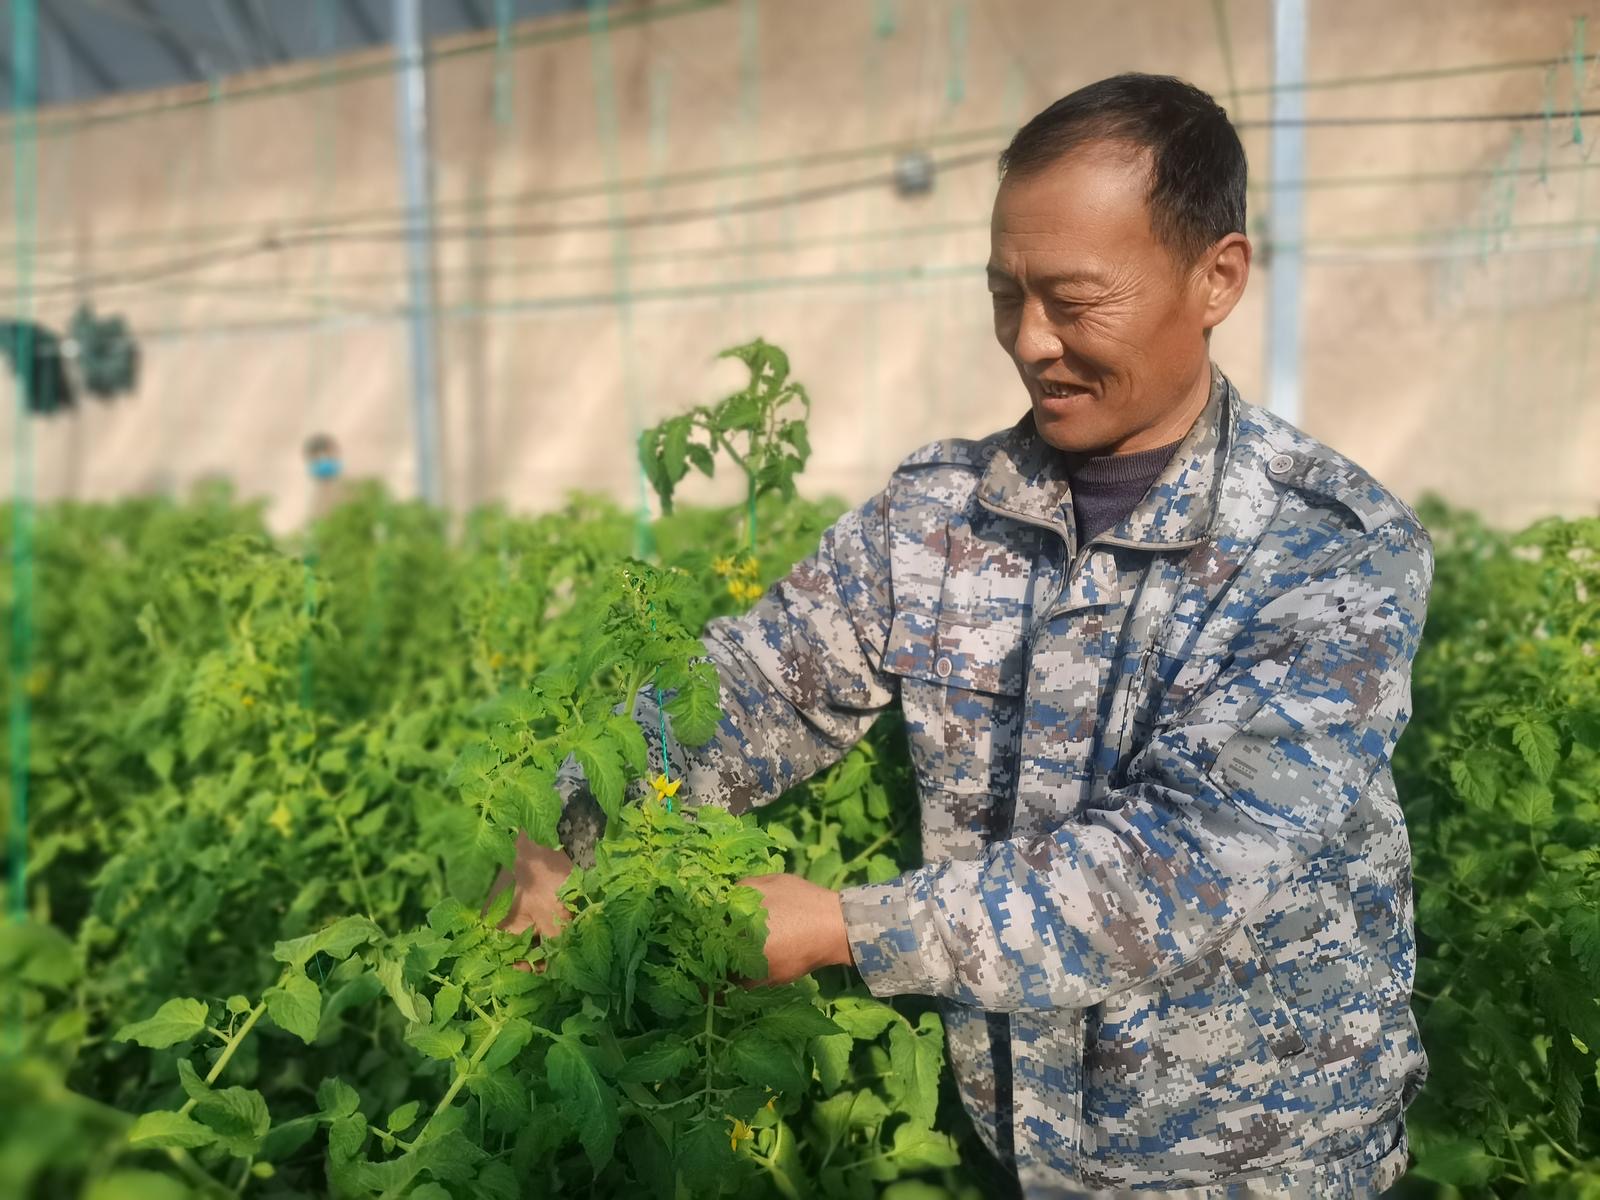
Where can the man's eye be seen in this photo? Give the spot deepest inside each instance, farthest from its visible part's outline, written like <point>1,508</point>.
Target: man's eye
<point>1000,298</point>
<point>1068,308</point>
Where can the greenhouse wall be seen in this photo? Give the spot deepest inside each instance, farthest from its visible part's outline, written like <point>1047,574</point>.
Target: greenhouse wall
<point>618,200</point>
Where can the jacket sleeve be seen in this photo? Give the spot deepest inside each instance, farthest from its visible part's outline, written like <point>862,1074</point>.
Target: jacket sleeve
<point>1255,776</point>
<point>801,675</point>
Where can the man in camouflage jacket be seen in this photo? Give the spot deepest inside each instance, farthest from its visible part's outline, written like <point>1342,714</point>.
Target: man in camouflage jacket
<point>1167,897</point>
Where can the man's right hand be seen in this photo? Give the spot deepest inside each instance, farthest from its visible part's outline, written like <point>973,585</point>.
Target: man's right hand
<point>537,876</point>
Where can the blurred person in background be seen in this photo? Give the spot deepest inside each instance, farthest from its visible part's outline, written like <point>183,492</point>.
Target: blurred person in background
<point>1152,646</point>
<point>326,468</point>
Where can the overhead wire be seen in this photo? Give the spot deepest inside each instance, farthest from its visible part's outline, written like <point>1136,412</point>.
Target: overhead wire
<point>1219,16</point>
<point>1428,243</point>
<point>647,16</point>
<point>222,256</point>
<point>655,181</point>
<point>273,242</point>
<point>277,230</point>
<point>543,34</point>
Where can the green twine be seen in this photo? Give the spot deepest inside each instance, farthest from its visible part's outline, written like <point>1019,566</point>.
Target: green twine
<point>323,151</point>
<point>661,711</point>
<point>502,63</point>
<point>606,113</point>
<point>1545,125</point>
<point>660,99</point>
<point>310,562</point>
<point>749,116</point>
<point>606,118</point>
<point>666,749</point>
<point>955,84</point>
<point>1586,326</point>
<point>1011,100</point>
<point>751,521</point>
<point>25,193</point>
<point>883,19</point>
<point>1579,70</point>
<point>1503,188</point>
<point>1219,12</point>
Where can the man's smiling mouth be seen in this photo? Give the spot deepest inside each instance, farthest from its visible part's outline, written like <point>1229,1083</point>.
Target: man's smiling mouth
<point>1049,387</point>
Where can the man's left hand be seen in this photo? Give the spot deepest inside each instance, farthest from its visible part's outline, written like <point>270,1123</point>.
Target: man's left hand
<point>805,927</point>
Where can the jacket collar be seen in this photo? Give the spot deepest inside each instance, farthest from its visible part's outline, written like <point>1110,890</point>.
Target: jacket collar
<point>1026,479</point>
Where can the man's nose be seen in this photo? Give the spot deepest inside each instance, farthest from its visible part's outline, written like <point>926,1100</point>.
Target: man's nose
<point>1036,340</point>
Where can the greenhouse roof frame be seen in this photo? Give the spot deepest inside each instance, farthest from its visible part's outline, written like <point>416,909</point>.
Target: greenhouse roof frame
<point>91,49</point>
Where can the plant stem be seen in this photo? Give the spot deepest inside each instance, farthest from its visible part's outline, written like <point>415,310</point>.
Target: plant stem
<point>738,458</point>
<point>871,1158</point>
<point>710,1032</point>
<point>1522,1163</point>
<point>228,1051</point>
<point>769,1163</point>
<point>1558,1147</point>
<point>194,1172</point>
<point>1449,891</point>
<point>355,865</point>
<point>872,848</point>
<point>845,1126</point>
<point>449,1096</point>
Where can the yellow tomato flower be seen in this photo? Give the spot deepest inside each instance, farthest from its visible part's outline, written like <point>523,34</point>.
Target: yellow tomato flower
<point>282,819</point>
<point>750,568</point>
<point>743,591</point>
<point>740,1133</point>
<point>723,565</point>
<point>249,701</point>
<point>665,788</point>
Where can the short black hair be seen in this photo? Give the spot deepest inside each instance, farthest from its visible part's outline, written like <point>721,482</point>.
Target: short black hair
<point>321,445</point>
<point>1198,172</point>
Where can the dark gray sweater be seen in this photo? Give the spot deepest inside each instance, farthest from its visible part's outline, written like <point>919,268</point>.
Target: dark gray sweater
<point>1107,487</point>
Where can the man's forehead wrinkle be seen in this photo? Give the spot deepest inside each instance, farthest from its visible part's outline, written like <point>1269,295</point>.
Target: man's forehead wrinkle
<point>1049,263</point>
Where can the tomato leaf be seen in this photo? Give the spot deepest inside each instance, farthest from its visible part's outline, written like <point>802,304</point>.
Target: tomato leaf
<point>163,1130</point>
<point>1540,746</point>
<point>590,1103</point>
<point>765,1062</point>
<point>175,1021</point>
<point>296,1006</point>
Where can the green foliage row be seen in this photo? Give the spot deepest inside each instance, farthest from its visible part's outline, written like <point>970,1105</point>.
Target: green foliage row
<point>271,789</point>
<point>271,785</point>
<point>272,781</point>
<point>1499,776</point>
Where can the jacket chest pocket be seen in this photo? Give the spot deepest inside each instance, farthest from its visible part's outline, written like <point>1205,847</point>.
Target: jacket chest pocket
<point>961,686</point>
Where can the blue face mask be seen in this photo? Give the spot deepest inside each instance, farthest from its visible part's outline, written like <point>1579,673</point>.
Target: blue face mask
<point>323,467</point>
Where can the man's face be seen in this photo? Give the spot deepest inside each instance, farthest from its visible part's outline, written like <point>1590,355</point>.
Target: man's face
<point>1106,327</point>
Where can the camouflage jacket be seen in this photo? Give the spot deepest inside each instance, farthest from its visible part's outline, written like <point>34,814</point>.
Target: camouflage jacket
<point>1167,896</point>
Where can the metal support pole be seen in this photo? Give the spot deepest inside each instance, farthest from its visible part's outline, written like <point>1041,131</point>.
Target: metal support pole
<point>1285,223</point>
<point>412,95</point>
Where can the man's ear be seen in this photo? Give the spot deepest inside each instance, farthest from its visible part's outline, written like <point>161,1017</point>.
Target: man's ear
<point>1220,276</point>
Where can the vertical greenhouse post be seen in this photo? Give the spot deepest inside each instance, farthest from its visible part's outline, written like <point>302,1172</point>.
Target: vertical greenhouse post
<point>411,91</point>
<point>1285,223</point>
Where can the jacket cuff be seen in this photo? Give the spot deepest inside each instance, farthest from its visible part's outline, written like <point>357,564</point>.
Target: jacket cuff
<point>582,823</point>
<point>894,938</point>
